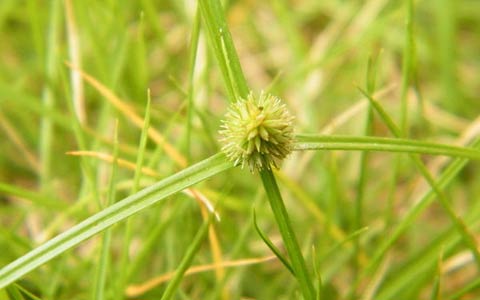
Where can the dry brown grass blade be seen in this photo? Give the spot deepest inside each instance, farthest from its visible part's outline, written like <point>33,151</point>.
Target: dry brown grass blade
<point>121,162</point>
<point>136,290</point>
<point>122,147</point>
<point>212,235</point>
<point>129,113</point>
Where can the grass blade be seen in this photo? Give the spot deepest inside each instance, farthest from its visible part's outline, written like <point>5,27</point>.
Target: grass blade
<point>222,44</point>
<point>407,66</point>
<point>381,144</point>
<point>125,258</point>
<point>463,230</point>
<point>191,82</point>
<point>451,171</point>
<point>103,263</point>
<point>112,215</point>
<point>48,100</point>
<point>288,235</point>
<point>187,260</point>
<point>271,246</point>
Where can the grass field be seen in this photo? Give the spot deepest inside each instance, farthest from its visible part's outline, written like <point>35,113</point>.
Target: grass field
<point>113,183</point>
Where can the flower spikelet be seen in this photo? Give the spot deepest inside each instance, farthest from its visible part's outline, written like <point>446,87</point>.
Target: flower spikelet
<point>257,132</point>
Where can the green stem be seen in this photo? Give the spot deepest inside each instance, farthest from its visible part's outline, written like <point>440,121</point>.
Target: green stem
<point>222,43</point>
<point>186,261</point>
<point>407,67</point>
<point>467,235</point>
<point>288,235</point>
<point>48,100</point>
<point>101,273</point>
<point>112,215</point>
<point>191,83</point>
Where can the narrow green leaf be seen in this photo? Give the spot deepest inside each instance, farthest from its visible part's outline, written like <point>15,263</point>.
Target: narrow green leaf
<point>35,197</point>
<point>187,260</point>
<point>468,237</point>
<point>103,263</point>
<point>48,99</point>
<point>316,271</point>
<point>29,103</point>
<point>363,169</point>
<point>445,29</point>
<point>288,235</point>
<point>435,295</point>
<point>412,275</point>
<point>221,41</point>
<point>191,84</point>
<point>26,292</point>
<point>112,215</point>
<point>338,245</point>
<point>125,258</point>
<point>446,177</point>
<point>381,144</point>
<point>14,293</point>
<point>407,65</point>
<point>271,246</point>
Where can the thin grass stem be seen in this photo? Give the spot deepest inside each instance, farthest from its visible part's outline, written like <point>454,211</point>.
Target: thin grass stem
<point>288,235</point>
<point>467,236</point>
<point>187,260</point>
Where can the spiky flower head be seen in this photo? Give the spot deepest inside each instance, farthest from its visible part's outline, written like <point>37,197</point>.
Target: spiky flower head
<point>257,132</point>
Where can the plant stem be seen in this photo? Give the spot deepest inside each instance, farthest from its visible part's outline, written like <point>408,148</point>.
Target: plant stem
<point>288,235</point>
<point>222,44</point>
<point>187,260</point>
<point>112,215</point>
<point>48,99</point>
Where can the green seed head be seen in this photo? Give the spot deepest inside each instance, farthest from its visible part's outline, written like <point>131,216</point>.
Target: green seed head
<point>257,132</point>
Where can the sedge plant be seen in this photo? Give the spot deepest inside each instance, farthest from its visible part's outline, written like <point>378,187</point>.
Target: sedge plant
<point>257,133</point>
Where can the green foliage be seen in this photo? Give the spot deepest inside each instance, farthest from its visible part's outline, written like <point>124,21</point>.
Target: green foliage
<point>376,201</point>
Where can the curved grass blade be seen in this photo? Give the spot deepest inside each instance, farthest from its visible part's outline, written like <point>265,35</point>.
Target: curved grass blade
<point>271,246</point>
<point>383,144</point>
<point>468,237</point>
<point>347,239</point>
<point>23,292</point>
<point>420,205</point>
<point>446,177</point>
<point>187,260</point>
<point>13,293</point>
<point>112,215</point>
<point>288,235</point>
